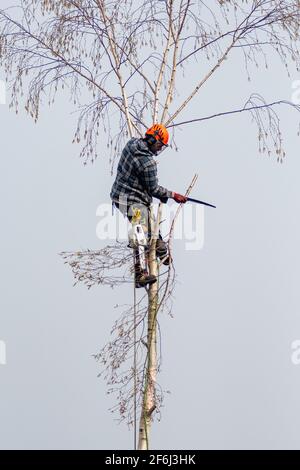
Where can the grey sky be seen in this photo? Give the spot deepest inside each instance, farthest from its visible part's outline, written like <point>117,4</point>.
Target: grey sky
<point>227,352</point>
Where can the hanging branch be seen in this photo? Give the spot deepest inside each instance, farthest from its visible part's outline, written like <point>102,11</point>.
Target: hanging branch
<point>267,121</point>
<point>109,27</point>
<point>175,54</point>
<point>164,60</point>
<point>75,45</point>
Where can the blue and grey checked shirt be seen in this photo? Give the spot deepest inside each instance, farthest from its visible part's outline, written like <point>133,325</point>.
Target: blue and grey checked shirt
<point>136,178</point>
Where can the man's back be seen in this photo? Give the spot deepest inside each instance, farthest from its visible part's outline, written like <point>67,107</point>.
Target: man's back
<point>136,180</point>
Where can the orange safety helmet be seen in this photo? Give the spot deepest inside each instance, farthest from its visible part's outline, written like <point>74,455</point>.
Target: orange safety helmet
<point>159,132</point>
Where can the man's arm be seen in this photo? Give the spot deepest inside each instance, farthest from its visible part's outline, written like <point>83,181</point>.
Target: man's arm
<point>149,179</point>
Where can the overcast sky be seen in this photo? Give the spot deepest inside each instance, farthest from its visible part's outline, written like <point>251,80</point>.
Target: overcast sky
<point>227,351</point>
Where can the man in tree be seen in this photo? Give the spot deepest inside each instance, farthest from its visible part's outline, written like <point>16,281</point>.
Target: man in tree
<point>136,184</point>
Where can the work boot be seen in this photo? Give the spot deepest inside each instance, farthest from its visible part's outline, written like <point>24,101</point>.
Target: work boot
<point>143,279</point>
<point>162,251</point>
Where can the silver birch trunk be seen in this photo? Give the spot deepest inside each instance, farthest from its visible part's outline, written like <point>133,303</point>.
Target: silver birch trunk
<point>149,395</point>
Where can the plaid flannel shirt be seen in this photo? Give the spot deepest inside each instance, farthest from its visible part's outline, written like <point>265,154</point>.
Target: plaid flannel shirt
<point>136,180</point>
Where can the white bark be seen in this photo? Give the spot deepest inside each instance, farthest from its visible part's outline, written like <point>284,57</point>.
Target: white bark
<point>163,64</point>
<point>149,398</point>
<point>201,83</point>
<point>112,42</point>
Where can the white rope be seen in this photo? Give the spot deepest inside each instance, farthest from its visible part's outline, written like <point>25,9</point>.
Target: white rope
<point>134,355</point>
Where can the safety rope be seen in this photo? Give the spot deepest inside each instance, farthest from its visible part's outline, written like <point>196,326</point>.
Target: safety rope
<point>134,355</point>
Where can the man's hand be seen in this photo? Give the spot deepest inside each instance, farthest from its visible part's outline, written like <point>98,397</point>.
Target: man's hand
<point>179,198</point>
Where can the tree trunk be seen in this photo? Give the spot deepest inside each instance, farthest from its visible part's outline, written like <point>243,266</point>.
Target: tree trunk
<point>149,396</point>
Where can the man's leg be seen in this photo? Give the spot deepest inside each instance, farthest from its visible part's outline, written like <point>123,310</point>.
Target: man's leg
<point>161,245</point>
<point>138,215</point>
<point>162,250</point>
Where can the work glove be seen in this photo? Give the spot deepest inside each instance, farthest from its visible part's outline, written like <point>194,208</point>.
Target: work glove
<point>179,198</point>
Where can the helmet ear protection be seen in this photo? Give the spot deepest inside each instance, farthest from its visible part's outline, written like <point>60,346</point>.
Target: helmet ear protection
<point>157,133</point>
<point>151,138</point>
